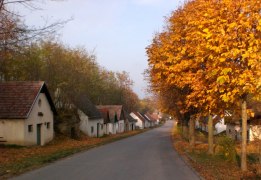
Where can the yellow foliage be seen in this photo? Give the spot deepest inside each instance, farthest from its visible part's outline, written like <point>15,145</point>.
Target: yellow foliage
<point>213,49</point>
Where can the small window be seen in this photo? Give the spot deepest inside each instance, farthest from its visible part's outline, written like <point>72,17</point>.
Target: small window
<point>39,102</point>
<point>92,129</point>
<point>102,126</point>
<point>30,128</point>
<point>48,125</point>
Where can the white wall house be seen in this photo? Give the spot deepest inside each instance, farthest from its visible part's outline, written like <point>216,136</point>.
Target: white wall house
<point>91,121</point>
<point>219,124</point>
<point>93,127</point>
<point>120,126</point>
<point>110,128</point>
<point>234,131</point>
<point>113,116</point>
<point>151,119</point>
<point>26,113</point>
<point>254,132</point>
<point>130,122</point>
<point>140,120</point>
<point>147,123</point>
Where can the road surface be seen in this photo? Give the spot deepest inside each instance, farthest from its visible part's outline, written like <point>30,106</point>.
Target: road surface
<point>147,156</point>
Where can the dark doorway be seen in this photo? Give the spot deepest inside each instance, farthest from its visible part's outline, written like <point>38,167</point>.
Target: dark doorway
<point>38,134</point>
<point>73,133</point>
<point>98,125</point>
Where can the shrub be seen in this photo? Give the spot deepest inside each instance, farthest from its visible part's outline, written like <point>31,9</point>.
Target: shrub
<point>227,148</point>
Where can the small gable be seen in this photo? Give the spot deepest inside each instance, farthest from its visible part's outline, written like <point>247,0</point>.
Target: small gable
<point>18,98</point>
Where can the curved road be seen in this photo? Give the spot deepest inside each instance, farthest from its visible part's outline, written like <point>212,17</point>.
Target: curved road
<point>147,156</point>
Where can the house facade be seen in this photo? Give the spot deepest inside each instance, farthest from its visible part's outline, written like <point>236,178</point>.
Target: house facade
<point>93,127</point>
<point>130,122</point>
<point>153,119</point>
<point>114,114</point>
<point>218,122</point>
<point>108,122</point>
<point>147,122</point>
<point>234,129</point>
<point>156,116</point>
<point>140,120</point>
<point>26,113</point>
<point>91,121</point>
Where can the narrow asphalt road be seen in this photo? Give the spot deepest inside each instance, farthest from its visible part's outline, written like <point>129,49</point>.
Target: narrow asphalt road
<point>147,156</point>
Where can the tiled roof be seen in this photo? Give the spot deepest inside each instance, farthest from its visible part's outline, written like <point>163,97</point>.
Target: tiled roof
<point>146,117</point>
<point>18,98</point>
<point>150,117</point>
<point>84,104</point>
<point>105,115</point>
<point>155,116</point>
<point>113,109</point>
<point>140,116</point>
<point>129,117</point>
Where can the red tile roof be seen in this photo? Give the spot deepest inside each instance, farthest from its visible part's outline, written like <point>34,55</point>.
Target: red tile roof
<point>105,115</point>
<point>18,98</point>
<point>118,109</point>
<point>150,117</point>
<point>140,116</point>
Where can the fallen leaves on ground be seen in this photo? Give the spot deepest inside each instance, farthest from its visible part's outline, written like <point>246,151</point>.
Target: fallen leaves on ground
<point>212,166</point>
<point>11,156</point>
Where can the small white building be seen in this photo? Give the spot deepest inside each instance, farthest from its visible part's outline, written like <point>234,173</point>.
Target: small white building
<point>140,119</point>
<point>109,125</point>
<point>234,127</point>
<point>220,125</point>
<point>234,130</point>
<point>151,119</point>
<point>91,121</point>
<point>218,122</point>
<point>130,122</point>
<point>26,113</point>
<point>114,118</point>
<point>156,116</point>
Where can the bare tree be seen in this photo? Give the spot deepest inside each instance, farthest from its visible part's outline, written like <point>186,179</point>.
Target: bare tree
<point>14,34</point>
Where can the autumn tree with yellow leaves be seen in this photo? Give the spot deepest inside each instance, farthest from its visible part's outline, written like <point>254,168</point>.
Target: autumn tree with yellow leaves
<point>213,49</point>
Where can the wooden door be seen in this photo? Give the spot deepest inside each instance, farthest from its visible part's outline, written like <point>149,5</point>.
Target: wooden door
<point>38,134</point>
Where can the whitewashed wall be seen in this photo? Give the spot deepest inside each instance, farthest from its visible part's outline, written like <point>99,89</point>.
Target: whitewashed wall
<point>46,134</point>
<point>12,131</point>
<point>110,128</point>
<point>120,126</point>
<point>254,132</point>
<point>147,124</point>
<point>220,126</point>
<point>15,131</point>
<point>90,126</point>
<point>139,122</point>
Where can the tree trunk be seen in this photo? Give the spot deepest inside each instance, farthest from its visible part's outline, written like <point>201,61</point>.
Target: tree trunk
<point>244,137</point>
<point>210,135</point>
<point>192,133</point>
<point>259,152</point>
<point>185,132</point>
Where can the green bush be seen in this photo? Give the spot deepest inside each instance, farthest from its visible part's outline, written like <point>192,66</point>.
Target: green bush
<point>227,148</point>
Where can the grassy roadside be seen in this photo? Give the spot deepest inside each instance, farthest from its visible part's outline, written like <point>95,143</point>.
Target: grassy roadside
<point>213,166</point>
<point>15,160</point>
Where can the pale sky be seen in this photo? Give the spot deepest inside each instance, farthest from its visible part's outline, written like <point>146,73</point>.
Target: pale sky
<point>118,31</point>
